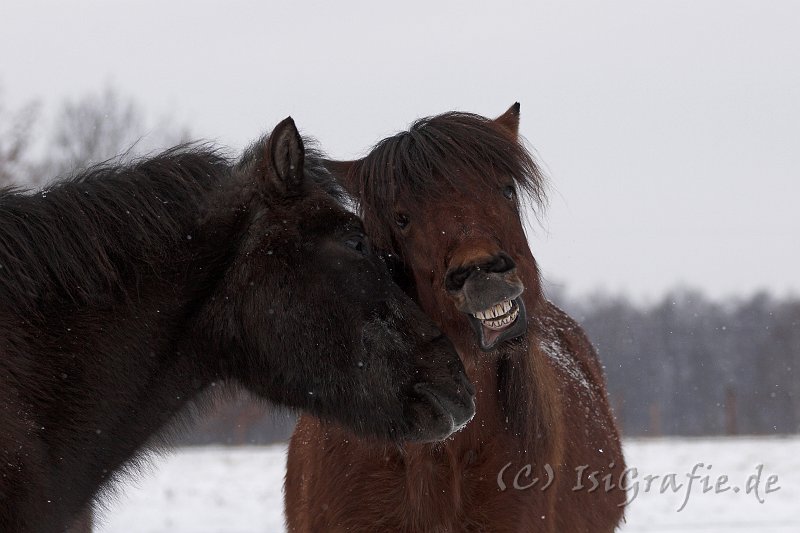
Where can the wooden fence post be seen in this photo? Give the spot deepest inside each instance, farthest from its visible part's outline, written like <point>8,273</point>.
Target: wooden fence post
<point>730,411</point>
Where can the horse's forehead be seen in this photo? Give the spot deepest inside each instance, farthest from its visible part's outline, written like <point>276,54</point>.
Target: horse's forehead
<point>458,205</point>
<point>446,183</point>
<point>465,218</point>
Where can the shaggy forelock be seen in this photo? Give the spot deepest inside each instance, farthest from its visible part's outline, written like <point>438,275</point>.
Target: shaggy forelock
<point>438,155</point>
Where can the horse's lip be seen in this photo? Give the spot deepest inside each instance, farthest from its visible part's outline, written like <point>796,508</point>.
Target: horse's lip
<point>489,339</point>
<point>456,413</point>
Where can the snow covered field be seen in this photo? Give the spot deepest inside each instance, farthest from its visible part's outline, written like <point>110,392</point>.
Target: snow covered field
<point>205,490</point>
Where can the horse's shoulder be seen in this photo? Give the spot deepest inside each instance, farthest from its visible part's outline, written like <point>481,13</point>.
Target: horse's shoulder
<point>558,326</point>
<point>563,339</point>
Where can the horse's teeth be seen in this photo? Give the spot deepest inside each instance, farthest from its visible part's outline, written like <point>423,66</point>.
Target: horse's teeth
<point>495,311</point>
<point>503,308</point>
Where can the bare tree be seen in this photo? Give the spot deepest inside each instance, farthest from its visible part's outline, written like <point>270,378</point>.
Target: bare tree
<point>16,128</point>
<point>98,127</point>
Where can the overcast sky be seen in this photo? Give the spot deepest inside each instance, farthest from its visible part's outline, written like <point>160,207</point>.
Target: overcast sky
<point>670,129</point>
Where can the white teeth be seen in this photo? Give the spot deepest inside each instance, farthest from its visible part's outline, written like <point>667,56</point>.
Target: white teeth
<point>503,322</point>
<point>486,316</point>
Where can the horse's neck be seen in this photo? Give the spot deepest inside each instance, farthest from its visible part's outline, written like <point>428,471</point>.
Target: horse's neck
<point>102,368</point>
<point>489,418</point>
<point>121,376</point>
<point>144,353</point>
<point>477,444</point>
<point>517,412</point>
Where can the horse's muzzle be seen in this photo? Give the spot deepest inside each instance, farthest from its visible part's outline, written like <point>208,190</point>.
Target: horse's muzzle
<point>444,403</point>
<point>491,297</point>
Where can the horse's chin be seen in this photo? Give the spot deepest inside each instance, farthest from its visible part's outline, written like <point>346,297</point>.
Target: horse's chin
<point>492,333</point>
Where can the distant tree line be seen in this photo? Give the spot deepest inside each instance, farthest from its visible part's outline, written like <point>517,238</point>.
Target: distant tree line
<point>688,365</point>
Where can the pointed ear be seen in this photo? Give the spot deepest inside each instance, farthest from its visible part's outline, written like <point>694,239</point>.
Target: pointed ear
<point>284,158</point>
<point>510,120</point>
<point>345,173</point>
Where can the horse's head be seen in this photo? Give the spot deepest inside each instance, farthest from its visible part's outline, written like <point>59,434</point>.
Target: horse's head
<point>310,312</point>
<point>445,197</point>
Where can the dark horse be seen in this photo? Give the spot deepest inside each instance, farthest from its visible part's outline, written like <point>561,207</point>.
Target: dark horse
<point>444,199</point>
<point>128,290</point>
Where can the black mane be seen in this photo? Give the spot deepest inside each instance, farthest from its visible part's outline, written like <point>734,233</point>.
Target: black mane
<point>427,159</point>
<point>75,240</point>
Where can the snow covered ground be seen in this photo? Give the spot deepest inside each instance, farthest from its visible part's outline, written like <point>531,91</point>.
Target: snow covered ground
<point>205,490</point>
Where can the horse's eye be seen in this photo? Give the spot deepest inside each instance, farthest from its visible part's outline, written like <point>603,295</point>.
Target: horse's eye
<point>357,243</point>
<point>509,192</point>
<point>402,220</point>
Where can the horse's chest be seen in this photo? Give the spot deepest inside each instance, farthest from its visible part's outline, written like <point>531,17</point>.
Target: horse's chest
<point>441,492</point>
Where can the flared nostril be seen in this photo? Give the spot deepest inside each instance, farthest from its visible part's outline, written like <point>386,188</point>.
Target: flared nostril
<point>457,277</point>
<point>500,263</point>
<point>452,404</point>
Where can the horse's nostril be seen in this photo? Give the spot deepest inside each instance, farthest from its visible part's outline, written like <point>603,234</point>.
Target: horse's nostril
<point>497,264</point>
<point>500,263</point>
<point>455,279</point>
<point>458,407</point>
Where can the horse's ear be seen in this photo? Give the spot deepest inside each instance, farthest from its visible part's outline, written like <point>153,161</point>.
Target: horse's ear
<point>510,119</point>
<point>285,157</point>
<point>345,173</point>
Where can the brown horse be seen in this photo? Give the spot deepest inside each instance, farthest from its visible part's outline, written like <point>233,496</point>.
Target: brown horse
<point>543,452</point>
